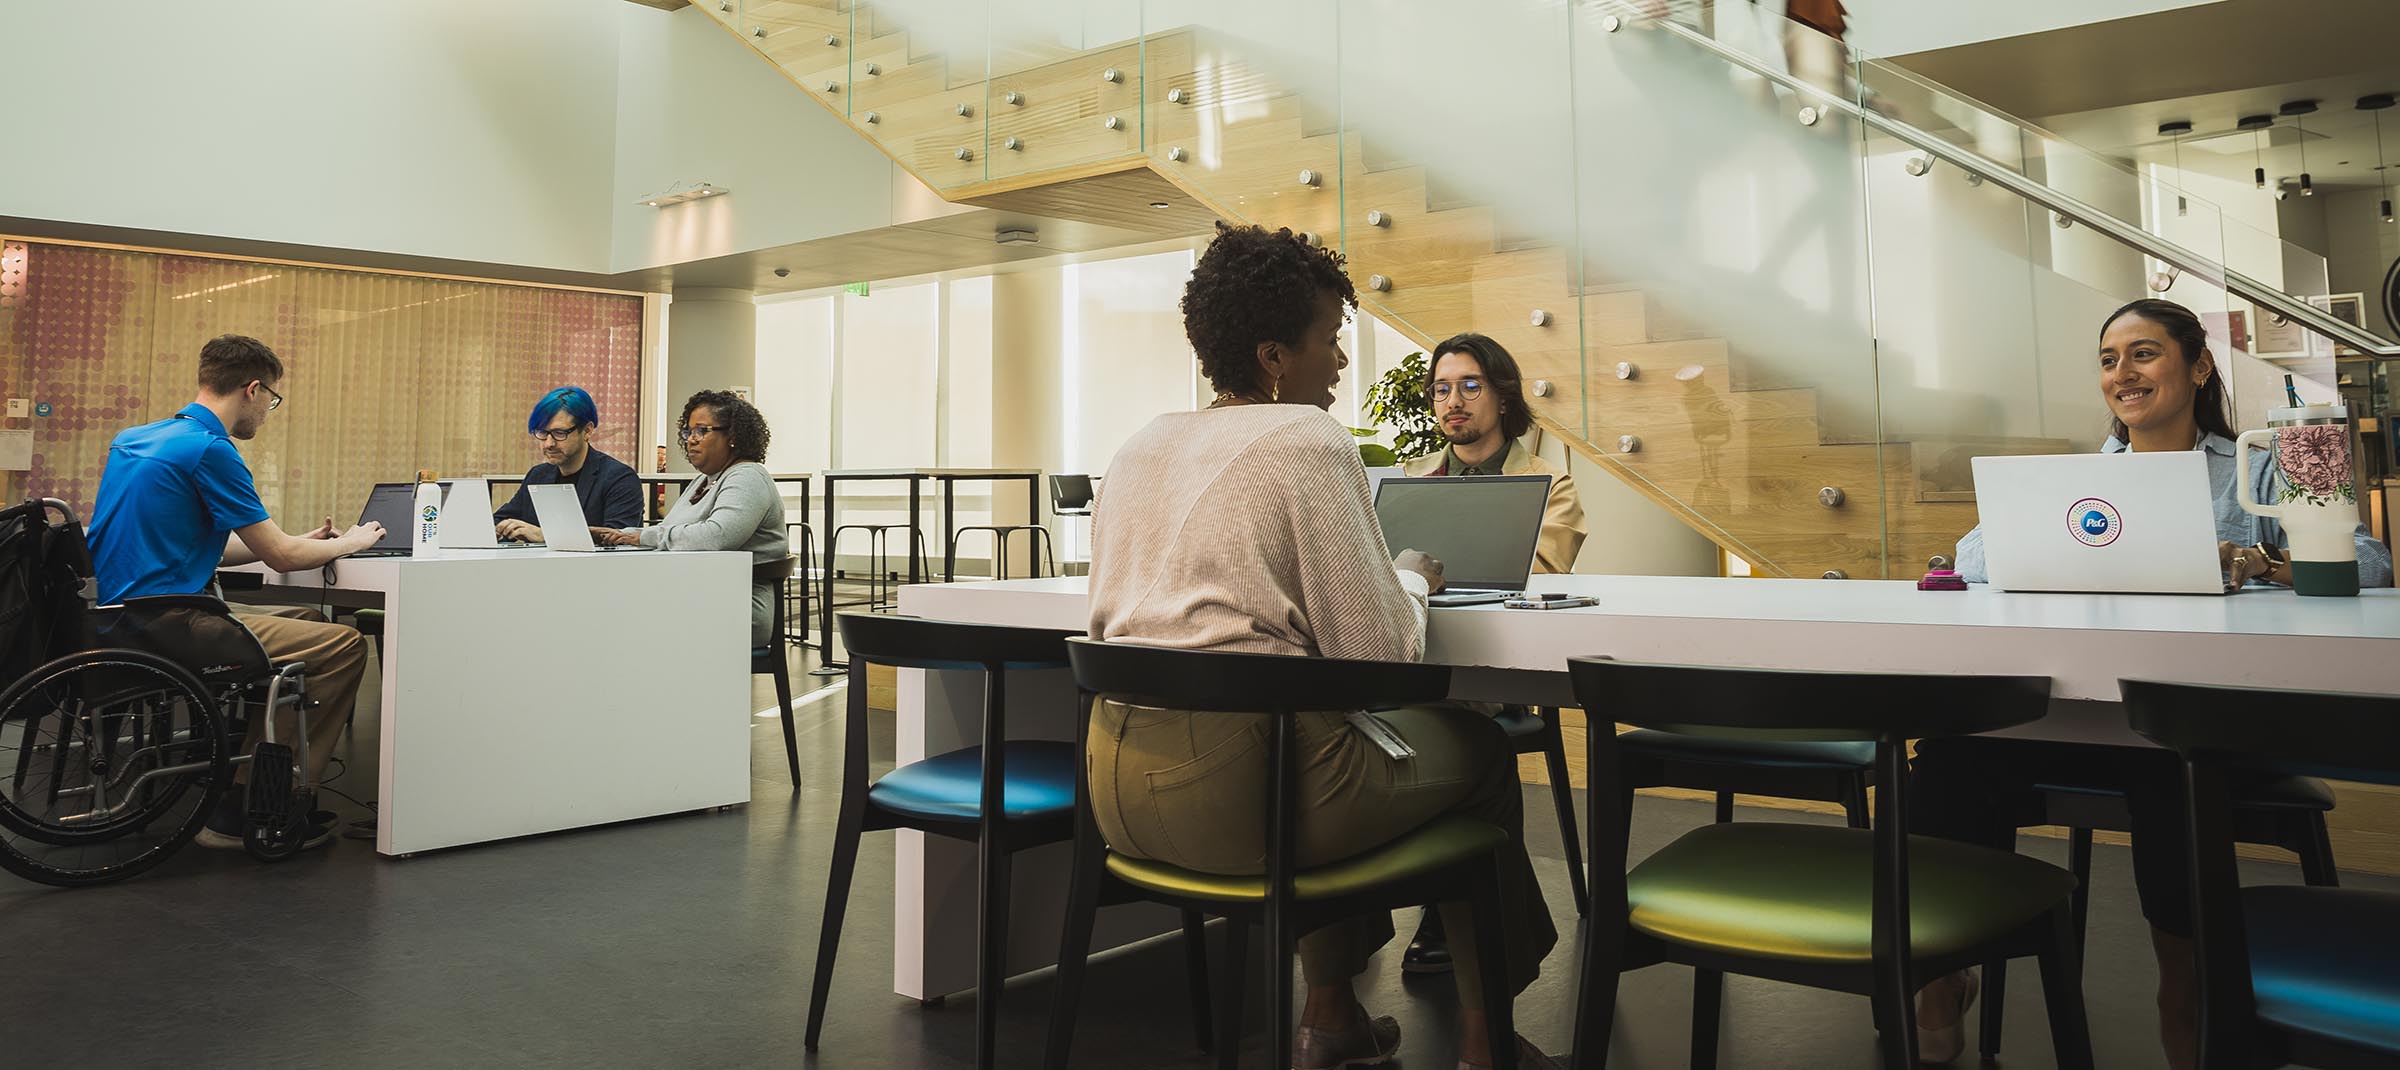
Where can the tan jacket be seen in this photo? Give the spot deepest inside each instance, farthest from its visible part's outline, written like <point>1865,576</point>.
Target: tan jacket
<point>1562,519</point>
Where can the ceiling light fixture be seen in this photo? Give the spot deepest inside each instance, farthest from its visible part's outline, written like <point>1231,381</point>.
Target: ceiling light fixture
<point>2299,110</point>
<point>681,193</point>
<point>2376,104</point>
<point>2257,125</point>
<point>2176,130</point>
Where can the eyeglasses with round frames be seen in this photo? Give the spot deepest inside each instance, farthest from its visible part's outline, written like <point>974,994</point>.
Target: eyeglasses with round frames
<point>1468,388</point>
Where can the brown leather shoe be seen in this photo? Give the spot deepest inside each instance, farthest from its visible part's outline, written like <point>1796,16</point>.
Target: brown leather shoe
<point>1528,1058</point>
<point>1368,1042</point>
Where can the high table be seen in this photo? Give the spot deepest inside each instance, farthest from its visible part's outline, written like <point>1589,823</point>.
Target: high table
<point>678,479</point>
<point>2084,643</point>
<point>915,478</point>
<point>531,690</point>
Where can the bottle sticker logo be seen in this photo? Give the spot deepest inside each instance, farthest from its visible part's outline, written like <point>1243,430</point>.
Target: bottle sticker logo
<point>2094,522</point>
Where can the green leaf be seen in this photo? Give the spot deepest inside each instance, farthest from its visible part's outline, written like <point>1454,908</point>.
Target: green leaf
<point>1374,456</point>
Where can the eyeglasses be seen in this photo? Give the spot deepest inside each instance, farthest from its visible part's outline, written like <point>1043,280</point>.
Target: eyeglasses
<point>696,431</point>
<point>550,434</point>
<point>1469,389</point>
<point>275,400</point>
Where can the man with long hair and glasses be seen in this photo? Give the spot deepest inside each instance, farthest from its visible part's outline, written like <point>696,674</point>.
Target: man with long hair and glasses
<point>561,426</point>
<point>177,502</point>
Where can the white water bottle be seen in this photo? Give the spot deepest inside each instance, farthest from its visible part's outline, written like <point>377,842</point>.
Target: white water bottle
<point>426,541</point>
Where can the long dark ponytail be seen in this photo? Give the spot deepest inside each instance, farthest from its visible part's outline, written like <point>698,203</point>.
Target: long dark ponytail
<point>2209,406</point>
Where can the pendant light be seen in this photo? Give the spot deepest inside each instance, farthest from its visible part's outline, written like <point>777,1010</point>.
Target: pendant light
<point>2257,125</point>
<point>2298,110</point>
<point>2175,131</point>
<point>2376,104</point>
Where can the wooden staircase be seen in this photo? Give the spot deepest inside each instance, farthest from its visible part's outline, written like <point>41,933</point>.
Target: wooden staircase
<point>1747,465</point>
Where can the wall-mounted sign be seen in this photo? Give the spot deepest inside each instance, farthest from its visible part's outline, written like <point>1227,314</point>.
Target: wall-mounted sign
<point>41,408</point>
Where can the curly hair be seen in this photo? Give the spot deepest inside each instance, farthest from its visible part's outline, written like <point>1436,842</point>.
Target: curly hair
<point>741,421</point>
<point>1254,286</point>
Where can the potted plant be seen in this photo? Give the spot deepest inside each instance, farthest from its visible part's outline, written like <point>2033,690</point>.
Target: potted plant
<point>1397,403</point>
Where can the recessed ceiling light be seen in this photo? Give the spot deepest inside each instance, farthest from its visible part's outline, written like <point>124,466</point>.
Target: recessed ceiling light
<point>1160,204</point>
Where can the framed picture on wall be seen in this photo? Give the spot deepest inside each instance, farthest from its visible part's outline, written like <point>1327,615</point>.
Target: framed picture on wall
<point>2348,308</point>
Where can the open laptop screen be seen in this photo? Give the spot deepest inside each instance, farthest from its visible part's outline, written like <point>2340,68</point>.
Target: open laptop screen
<point>1481,528</point>
<point>392,505</point>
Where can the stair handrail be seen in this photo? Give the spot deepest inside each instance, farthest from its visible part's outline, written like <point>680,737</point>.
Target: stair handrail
<point>2291,308</point>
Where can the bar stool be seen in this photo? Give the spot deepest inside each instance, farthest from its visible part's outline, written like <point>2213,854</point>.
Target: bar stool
<point>803,577</point>
<point>881,578</point>
<point>1449,860</point>
<point>2287,975</point>
<point>1868,911</point>
<point>1038,543</point>
<point>1004,795</point>
<point>773,659</point>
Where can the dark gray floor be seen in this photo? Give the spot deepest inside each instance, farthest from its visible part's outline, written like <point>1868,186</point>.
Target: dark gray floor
<point>688,942</point>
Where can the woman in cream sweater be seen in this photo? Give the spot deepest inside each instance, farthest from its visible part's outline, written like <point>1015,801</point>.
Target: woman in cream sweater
<point>1246,526</point>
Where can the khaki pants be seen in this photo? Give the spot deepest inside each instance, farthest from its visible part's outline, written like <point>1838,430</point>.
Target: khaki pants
<point>1191,790</point>
<point>336,656</point>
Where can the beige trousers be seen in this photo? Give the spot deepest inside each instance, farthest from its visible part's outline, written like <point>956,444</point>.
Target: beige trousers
<point>1191,790</point>
<point>336,656</point>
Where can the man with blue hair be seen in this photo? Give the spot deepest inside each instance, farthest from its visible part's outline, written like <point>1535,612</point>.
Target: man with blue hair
<point>561,425</point>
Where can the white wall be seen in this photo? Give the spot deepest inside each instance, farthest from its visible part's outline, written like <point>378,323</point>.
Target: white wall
<point>2359,249</point>
<point>514,133</point>
<point>449,128</point>
<point>1898,27</point>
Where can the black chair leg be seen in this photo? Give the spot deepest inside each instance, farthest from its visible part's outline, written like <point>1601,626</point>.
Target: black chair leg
<point>1854,799</point>
<point>1895,1016</point>
<point>2316,853</point>
<point>1195,975</point>
<point>1283,946</point>
<point>991,958</point>
<point>1995,992</point>
<point>1229,994</point>
<point>2079,863</point>
<point>1708,1005</point>
<point>1596,994</point>
<point>1724,807</point>
<point>782,675</point>
<point>1074,948</point>
<point>2062,993</point>
<point>1562,795</point>
<point>837,899</point>
<point>1491,956</point>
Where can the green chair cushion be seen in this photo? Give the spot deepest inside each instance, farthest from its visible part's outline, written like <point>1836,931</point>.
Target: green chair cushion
<point>1676,746</point>
<point>1803,893</point>
<point>1444,842</point>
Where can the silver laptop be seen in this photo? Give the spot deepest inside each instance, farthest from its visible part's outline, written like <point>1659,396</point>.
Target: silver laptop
<point>563,526</point>
<point>1483,529</point>
<point>2130,523</point>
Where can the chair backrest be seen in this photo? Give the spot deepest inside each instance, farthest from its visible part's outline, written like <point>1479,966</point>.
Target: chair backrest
<point>1070,493</point>
<point>2319,733</point>
<point>1222,682</point>
<point>775,571</point>
<point>920,643</point>
<point>1805,705</point>
<point>44,567</point>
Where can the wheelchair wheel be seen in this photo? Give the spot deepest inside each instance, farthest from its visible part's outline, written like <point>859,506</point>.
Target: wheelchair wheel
<point>110,760</point>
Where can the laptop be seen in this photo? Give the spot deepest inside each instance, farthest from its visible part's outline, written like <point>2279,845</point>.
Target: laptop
<point>467,517</point>
<point>2115,523</point>
<point>394,505</point>
<point>563,526</point>
<point>1483,529</point>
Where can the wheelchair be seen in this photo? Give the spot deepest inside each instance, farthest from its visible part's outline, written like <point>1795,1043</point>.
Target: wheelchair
<point>118,724</point>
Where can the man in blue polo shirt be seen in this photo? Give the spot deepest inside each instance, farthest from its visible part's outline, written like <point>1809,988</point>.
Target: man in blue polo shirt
<point>561,426</point>
<point>177,501</point>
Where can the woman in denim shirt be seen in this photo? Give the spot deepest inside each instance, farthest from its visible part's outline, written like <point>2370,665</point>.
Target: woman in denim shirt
<point>2165,392</point>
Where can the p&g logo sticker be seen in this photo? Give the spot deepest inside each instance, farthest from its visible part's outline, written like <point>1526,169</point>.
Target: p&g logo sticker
<point>2094,522</point>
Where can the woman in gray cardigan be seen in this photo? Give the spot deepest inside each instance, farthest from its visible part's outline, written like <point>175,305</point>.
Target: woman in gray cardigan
<point>732,506</point>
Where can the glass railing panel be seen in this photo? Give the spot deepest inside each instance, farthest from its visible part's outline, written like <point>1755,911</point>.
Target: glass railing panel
<point>1242,106</point>
<point>915,85</point>
<point>1066,83</point>
<point>1458,185</point>
<point>808,39</point>
<point>1722,219</point>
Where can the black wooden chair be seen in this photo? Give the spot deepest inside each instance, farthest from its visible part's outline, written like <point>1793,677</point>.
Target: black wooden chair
<point>774,659</point>
<point>2288,975</point>
<point>1868,911</point>
<point>1536,732</point>
<point>1003,795</point>
<point>1450,860</point>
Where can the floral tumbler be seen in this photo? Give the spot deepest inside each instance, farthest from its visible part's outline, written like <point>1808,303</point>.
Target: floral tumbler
<point>2317,501</point>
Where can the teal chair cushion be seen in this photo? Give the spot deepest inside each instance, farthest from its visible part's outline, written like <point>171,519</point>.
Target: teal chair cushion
<point>1675,746</point>
<point>949,787</point>
<point>2321,961</point>
<point>2275,792</point>
<point>1520,722</point>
